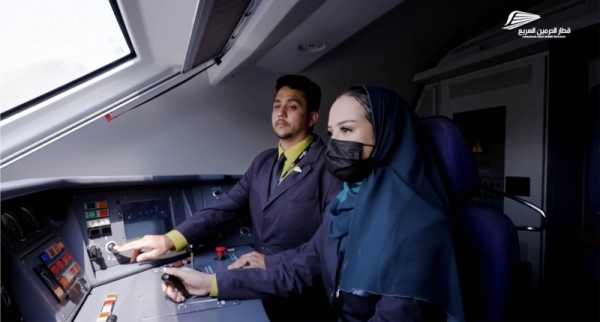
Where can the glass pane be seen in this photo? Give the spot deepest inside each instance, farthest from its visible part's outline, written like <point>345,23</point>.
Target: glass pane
<point>47,44</point>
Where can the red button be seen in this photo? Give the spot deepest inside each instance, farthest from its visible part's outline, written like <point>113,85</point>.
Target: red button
<point>220,251</point>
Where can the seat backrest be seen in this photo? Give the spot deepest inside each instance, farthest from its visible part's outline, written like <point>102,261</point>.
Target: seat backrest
<point>486,241</point>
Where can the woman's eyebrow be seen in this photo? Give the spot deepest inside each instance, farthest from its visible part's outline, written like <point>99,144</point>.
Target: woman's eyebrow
<point>346,121</point>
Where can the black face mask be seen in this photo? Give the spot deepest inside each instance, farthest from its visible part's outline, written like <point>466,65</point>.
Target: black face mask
<point>343,161</point>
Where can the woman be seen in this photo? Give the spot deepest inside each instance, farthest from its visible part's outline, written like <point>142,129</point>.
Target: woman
<point>384,249</point>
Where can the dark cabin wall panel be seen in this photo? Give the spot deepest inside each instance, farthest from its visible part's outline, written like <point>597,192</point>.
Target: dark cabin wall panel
<point>409,39</point>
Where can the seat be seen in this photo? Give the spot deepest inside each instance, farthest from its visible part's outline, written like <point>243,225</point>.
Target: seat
<point>486,240</point>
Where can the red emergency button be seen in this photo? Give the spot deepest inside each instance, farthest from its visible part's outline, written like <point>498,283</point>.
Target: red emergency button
<point>220,252</point>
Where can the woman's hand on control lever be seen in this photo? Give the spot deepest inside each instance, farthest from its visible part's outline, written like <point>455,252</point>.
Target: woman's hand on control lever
<point>195,282</point>
<point>158,245</point>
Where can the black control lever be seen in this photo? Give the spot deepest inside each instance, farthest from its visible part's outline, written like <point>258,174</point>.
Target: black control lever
<point>190,249</point>
<point>176,282</point>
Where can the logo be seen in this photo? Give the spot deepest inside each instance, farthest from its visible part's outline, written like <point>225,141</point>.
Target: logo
<point>518,18</point>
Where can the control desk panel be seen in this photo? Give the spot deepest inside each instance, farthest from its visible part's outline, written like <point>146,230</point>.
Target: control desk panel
<point>110,218</point>
<point>58,238</point>
<point>139,297</point>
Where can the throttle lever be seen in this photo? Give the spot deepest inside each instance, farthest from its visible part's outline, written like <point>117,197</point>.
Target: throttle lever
<point>176,282</point>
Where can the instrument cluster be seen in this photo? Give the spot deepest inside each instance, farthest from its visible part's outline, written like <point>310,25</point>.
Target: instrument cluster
<point>26,219</point>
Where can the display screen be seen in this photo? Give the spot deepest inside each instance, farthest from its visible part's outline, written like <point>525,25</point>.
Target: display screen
<point>147,217</point>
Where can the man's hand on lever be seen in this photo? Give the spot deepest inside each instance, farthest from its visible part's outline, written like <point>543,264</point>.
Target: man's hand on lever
<point>158,245</point>
<point>195,282</point>
<point>250,260</point>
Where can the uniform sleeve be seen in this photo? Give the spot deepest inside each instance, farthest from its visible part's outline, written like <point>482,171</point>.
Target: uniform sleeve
<point>178,240</point>
<point>214,290</point>
<point>206,221</point>
<point>296,271</point>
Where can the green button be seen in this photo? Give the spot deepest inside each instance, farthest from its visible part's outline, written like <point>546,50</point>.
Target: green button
<point>90,205</point>
<point>91,214</point>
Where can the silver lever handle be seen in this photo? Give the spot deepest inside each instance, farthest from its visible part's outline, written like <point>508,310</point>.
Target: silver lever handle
<point>526,204</point>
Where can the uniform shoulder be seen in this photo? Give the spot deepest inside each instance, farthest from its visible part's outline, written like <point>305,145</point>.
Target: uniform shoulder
<point>268,153</point>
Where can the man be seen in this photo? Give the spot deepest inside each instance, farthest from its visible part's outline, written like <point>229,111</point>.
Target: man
<point>286,190</point>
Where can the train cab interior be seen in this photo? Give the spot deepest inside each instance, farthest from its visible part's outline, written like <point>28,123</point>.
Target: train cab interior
<point>124,118</point>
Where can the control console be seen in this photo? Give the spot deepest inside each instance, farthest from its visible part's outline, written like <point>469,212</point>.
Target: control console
<point>38,264</point>
<point>110,218</point>
<point>59,257</point>
<point>140,296</point>
<point>52,268</point>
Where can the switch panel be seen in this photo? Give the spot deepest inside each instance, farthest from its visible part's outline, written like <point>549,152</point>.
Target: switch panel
<point>53,266</point>
<point>114,217</point>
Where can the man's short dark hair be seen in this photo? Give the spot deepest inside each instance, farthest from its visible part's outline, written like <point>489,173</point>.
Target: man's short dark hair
<point>311,90</point>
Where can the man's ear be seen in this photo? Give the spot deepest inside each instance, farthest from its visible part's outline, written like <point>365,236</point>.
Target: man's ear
<point>312,118</point>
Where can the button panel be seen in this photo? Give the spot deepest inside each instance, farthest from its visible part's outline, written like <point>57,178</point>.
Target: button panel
<point>95,205</point>
<point>59,271</point>
<point>97,216</point>
<point>107,308</point>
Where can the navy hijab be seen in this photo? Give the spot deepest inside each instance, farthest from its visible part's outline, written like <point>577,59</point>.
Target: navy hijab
<point>393,228</point>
